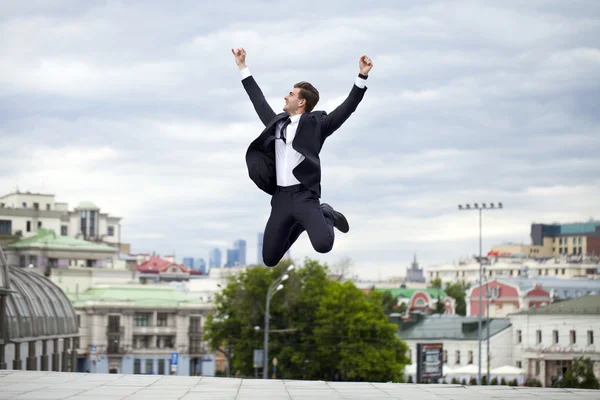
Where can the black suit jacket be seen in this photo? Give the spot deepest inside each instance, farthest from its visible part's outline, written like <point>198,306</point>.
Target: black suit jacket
<point>313,129</point>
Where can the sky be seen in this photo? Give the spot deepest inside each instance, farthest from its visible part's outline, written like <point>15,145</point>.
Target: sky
<point>138,107</point>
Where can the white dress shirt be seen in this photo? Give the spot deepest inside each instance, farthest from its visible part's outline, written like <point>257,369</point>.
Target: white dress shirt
<point>286,158</point>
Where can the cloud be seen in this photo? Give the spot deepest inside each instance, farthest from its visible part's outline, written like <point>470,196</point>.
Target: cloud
<point>139,108</point>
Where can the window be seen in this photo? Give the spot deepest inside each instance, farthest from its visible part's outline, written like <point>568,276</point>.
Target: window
<point>457,356</point>
<point>169,342</point>
<point>563,271</point>
<point>470,357</point>
<point>519,364</point>
<point>196,346</point>
<point>33,260</point>
<point>144,342</point>
<point>590,337</point>
<point>84,223</point>
<point>149,366</point>
<point>5,227</point>
<point>556,271</point>
<point>28,229</point>
<point>194,325</point>
<point>579,240</point>
<point>114,322</point>
<point>141,319</point>
<point>111,231</point>
<point>24,205</point>
<point>537,368</point>
<point>410,354</point>
<point>36,206</point>
<point>39,224</point>
<point>573,337</point>
<point>161,367</point>
<point>445,356</point>
<point>64,230</point>
<point>538,336</point>
<point>161,319</point>
<point>560,242</point>
<point>1,205</point>
<point>519,337</point>
<point>47,207</point>
<point>92,223</point>
<point>78,321</point>
<point>580,250</point>
<point>137,366</point>
<point>555,337</point>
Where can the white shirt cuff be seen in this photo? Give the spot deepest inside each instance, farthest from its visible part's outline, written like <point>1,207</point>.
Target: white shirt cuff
<point>245,73</point>
<point>360,82</point>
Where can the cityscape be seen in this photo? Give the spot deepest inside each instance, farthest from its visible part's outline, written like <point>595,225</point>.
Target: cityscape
<point>169,302</point>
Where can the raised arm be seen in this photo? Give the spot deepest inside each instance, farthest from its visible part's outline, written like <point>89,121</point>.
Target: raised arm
<point>335,119</point>
<point>262,107</point>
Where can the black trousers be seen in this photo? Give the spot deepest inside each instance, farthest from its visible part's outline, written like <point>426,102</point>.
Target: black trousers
<point>295,209</point>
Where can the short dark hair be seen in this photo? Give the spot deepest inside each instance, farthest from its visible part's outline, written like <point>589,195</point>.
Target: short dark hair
<point>309,93</point>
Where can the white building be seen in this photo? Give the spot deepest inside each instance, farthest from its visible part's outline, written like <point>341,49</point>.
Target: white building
<point>547,339</point>
<point>459,336</point>
<point>136,329</point>
<point>22,214</point>
<point>468,270</point>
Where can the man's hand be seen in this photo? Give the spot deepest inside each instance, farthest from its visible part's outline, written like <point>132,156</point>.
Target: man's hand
<point>364,63</point>
<point>240,57</point>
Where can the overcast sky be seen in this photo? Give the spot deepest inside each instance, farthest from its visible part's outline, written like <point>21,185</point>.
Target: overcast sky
<point>138,107</point>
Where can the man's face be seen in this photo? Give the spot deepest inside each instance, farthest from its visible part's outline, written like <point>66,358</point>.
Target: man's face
<point>293,102</point>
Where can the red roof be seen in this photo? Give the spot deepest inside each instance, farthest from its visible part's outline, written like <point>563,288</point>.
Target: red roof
<point>156,265</point>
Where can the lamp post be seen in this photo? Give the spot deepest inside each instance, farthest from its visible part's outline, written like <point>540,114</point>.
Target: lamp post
<point>477,207</point>
<point>276,286</point>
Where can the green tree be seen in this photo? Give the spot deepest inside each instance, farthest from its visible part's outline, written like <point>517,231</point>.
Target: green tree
<point>458,292</point>
<point>389,303</point>
<point>436,283</point>
<point>333,330</point>
<point>440,308</point>
<point>580,375</point>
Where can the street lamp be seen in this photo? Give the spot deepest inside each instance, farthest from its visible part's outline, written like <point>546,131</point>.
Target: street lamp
<point>276,286</point>
<point>481,208</point>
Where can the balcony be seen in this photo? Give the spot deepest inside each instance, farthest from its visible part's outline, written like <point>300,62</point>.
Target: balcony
<point>115,330</point>
<point>154,330</point>
<point>115,350</point>
<point>195,334</point>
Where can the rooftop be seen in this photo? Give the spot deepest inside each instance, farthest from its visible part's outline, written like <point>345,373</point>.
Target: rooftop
<point>62,385</point>
<point>154,296</point>
<point>408,293</point>
<point>48,239</point>
<point>451,327</point>
<point>586,305</point>
<point>87,205</point>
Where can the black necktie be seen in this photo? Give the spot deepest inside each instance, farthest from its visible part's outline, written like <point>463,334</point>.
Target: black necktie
<point>282,134</point>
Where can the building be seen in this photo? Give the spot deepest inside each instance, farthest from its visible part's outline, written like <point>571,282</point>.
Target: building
<point>135,329</point>
<point>240,246</point>
<point>459,336</point>
<point>414,274</point>
<point>188,262</point>
<point>200,265</point>
<point>467,271</point>
<point>39,328</point>
<point>259,247</point>
<point>547,339</point>
<point>22,214</point>
<point>575,239</point>
<point>158,269</point>
<point>504,298</point>
<point>421,300</point>
<point>48,249</point>
<point>232,258</point>
<point>214,259</point>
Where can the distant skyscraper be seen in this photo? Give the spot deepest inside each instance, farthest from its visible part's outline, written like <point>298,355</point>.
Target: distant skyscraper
<point>214,258</point>
<point>188,262</point>
<point>233,257</point>
<point>200,265</point>
<point>240,246</point>
<point>259,258</point>
<point>414,273</point>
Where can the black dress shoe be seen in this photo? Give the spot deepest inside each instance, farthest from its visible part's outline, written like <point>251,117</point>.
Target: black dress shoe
<point>339,221</point>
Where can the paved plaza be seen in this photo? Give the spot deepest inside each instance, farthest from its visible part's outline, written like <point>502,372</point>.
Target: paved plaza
<point>62,385</point>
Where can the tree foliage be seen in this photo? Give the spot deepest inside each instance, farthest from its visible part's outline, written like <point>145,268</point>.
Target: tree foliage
<point>333,330</point>
<point>580,375</point>
<point>458,292</point>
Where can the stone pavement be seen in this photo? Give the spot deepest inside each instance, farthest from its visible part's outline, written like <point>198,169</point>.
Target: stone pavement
<point>63,385</point>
